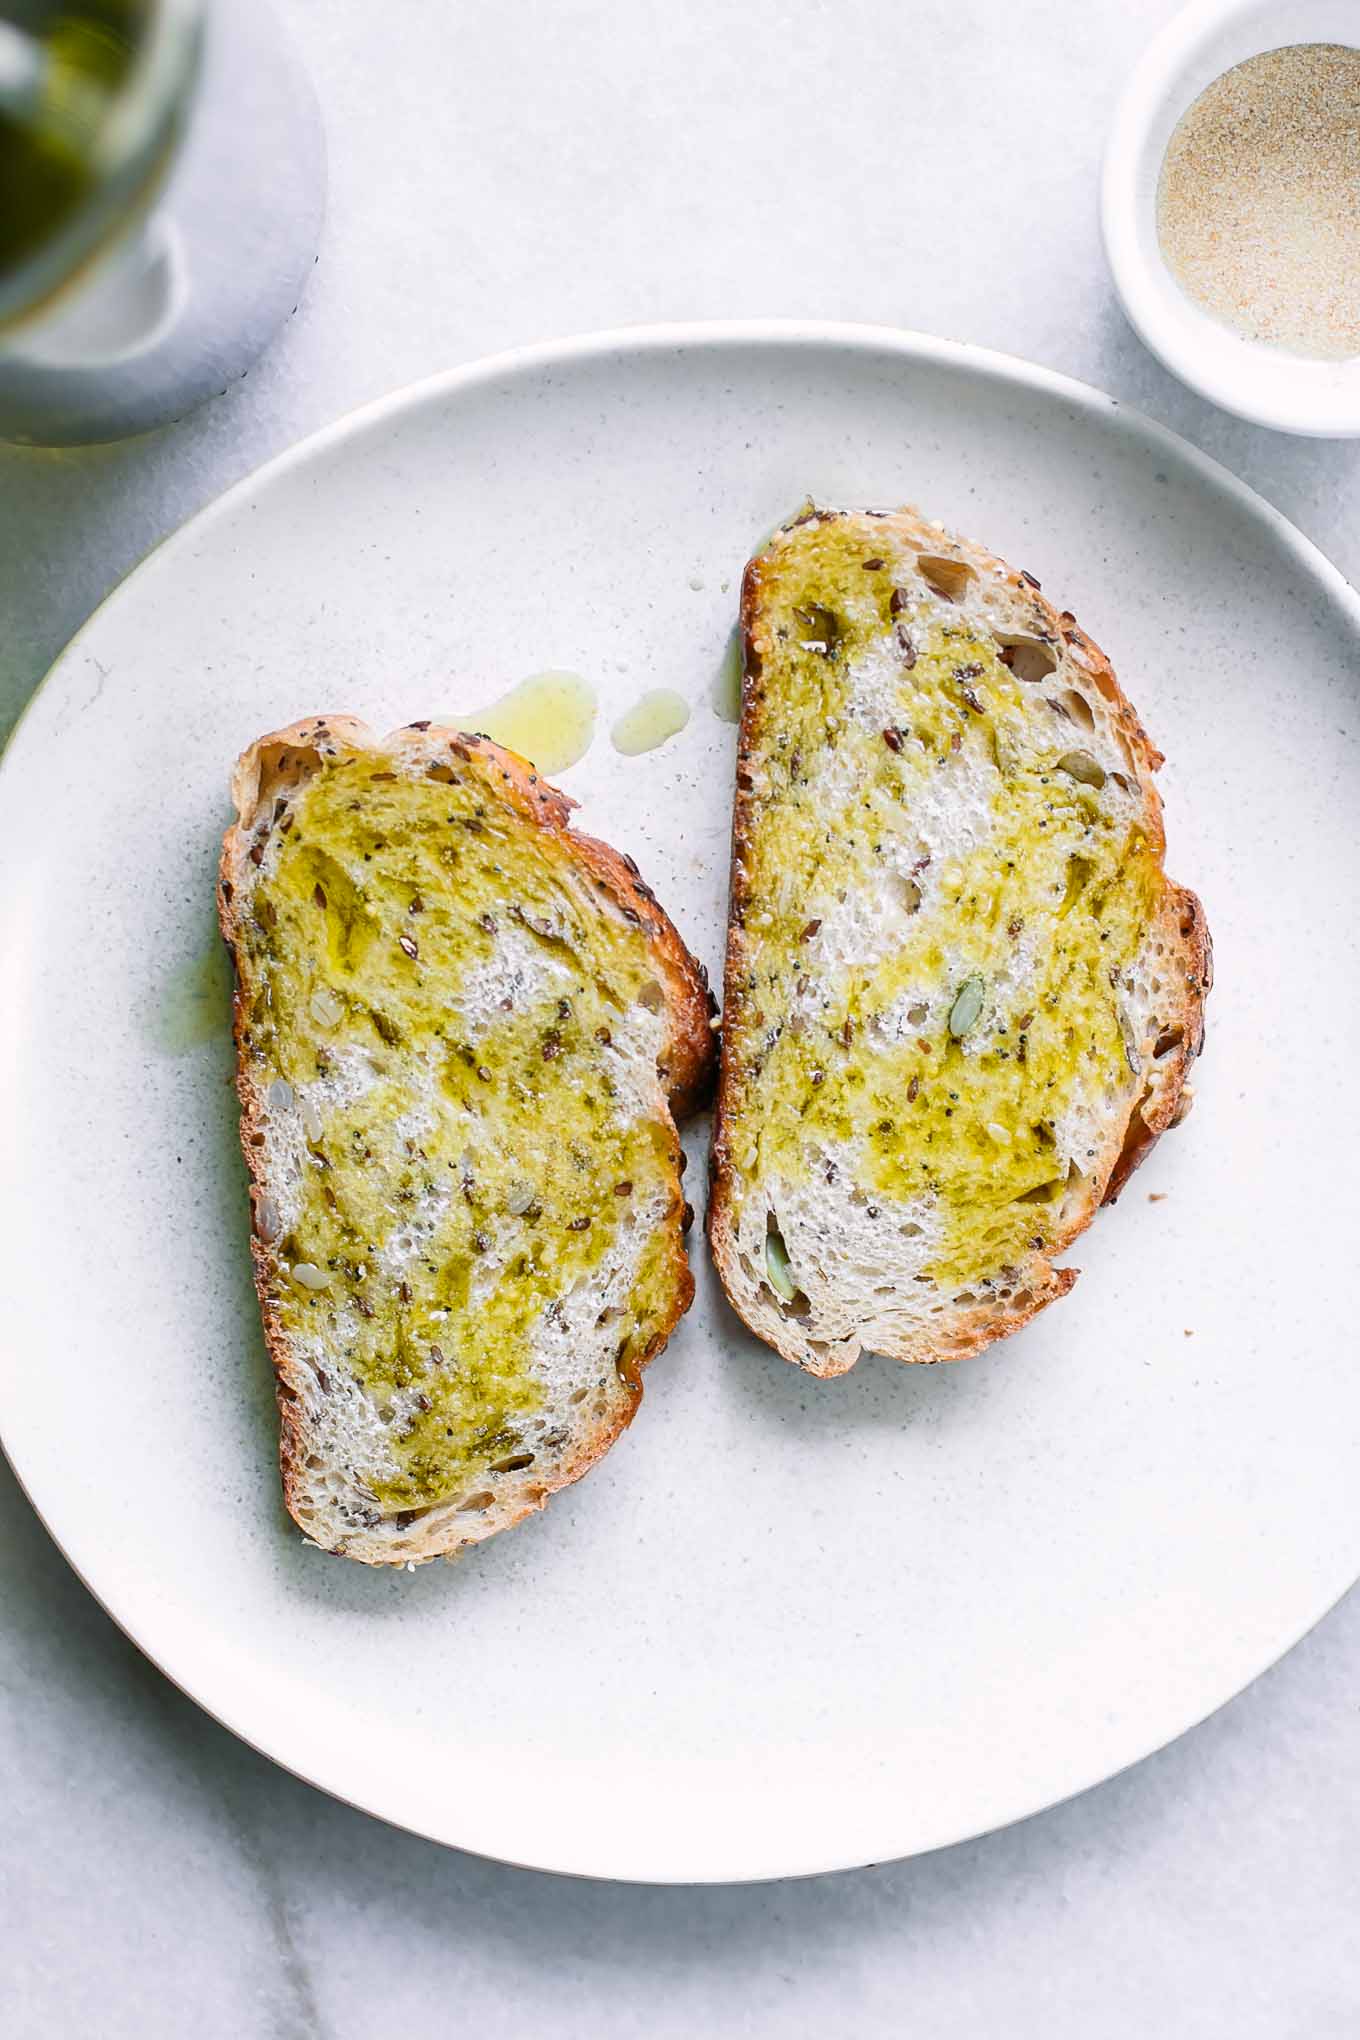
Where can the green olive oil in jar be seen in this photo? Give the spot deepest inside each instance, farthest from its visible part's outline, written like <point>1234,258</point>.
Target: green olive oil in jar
<point>63,71</point>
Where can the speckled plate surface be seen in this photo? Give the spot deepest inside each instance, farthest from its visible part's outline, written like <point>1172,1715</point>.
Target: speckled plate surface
<point>786,1625</point>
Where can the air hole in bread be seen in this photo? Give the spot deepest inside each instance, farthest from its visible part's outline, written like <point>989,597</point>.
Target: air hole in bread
<point>1075,707</point>
<point>1029,658</point>
<point>651,996</point>
<point>949,579</point>
<point>911,1231</point>
<point>1125,784</point>
<point>578,1395</point>
<point>514,1462</point>
<point>289,766</point>
<point>477,1501</point>
<point>917,1015</point>
<point>821,628</point>
<point>911,895</point>
<point>1169,1038</point>
<point>1136,1136</point>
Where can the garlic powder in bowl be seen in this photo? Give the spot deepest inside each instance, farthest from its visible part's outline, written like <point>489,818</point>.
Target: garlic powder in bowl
<point>1230,207</point>
<point>1258,203</point>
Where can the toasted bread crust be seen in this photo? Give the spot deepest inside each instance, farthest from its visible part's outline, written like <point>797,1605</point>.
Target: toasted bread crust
<point>283,761</point>
<point>1165,1098</point>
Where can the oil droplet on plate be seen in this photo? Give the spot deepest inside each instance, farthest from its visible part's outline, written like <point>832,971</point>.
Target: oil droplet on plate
<point>196,1004</point>
<point>548,718</point>
<point>650,722</point>
<point>725,694</point>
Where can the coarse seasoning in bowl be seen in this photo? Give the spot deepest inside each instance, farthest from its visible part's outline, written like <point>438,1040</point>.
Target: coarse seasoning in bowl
<point>1231,208</point>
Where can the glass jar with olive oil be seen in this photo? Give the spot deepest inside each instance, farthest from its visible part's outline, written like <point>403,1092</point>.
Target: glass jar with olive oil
<point>91,98</point>
<point>162,177</point>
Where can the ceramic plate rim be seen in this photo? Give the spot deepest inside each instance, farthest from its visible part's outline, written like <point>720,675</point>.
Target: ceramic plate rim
<point>890,342</point>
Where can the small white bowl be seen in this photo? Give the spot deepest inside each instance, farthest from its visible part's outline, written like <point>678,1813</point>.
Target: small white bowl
<point>1269,385</point>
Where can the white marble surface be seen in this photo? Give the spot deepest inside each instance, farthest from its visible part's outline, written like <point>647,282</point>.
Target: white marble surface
<point>502,173</point>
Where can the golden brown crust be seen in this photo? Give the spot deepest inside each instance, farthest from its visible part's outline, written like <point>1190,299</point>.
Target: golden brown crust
<point>277,764</point>
<point>1159,1109</point>
<point>1165,1098</point>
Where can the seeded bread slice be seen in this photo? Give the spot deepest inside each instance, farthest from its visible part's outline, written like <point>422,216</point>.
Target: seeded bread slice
<point>461,1033</point>
<point>962,996</point>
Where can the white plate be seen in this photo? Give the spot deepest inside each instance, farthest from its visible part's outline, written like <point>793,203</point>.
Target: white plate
<point>785,1626</point>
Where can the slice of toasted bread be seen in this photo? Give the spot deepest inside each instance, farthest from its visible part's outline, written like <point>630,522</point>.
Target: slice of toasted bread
<point>962,995</point>
<point>461,1032</point>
